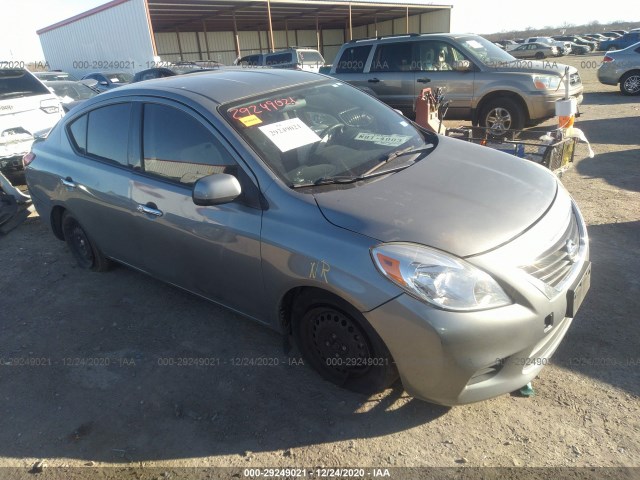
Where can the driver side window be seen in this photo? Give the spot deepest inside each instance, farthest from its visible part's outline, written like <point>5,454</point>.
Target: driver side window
<point>178,147</point>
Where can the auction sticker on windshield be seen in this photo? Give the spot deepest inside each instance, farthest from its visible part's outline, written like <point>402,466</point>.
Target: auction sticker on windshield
<point>386,140</point>
<point>290,134</point>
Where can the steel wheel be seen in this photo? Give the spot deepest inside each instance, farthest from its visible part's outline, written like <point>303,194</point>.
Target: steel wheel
<point>83,249</point>
<point>339,344</point>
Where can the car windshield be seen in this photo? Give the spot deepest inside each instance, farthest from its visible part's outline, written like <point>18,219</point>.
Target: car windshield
<point>119,77</point>
<point>311,58</point>
<point>71,91</point>
<point>16,83</point>
<point>327,132</point>
<point>485,51</point>
<point>51,76</point>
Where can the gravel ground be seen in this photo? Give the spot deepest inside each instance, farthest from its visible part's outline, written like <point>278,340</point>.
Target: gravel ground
<point>124,409</point>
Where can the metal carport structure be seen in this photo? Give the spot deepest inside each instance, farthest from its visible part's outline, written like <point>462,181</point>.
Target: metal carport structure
<point>187,30</point>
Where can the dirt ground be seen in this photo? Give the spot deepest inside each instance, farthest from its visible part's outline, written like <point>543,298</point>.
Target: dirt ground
<point>123,406</point>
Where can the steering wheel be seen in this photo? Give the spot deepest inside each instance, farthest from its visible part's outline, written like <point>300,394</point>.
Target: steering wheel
<point>326,133</point>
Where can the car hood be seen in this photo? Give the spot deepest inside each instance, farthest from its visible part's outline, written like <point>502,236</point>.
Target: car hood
<point>462,198</point>
<point>534,66</point>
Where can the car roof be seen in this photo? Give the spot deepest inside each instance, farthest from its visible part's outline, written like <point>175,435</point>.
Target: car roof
<point>222,85</point>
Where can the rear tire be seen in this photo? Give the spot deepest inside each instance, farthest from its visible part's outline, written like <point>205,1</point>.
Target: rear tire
<point>630,83</point>
<point>338,342</point>
<point>502,114</point>
<point>84,250</point>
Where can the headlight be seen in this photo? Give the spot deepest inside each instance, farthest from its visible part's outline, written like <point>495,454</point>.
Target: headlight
<point>546,82</point>
<point>440,279</point>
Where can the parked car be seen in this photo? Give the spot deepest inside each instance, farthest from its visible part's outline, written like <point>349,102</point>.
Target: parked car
<point>483,83</point>
<point>534,50</point>
<point>294,57</point>
<point>612,34</point>
<point>623,42</point>
<point>579,49</point>
<point>562,48</point>
<point>622,67</point>
<point>55,75</point>
<point>108,80</point>
<point>71,94</point>
<point>171,70</point>
<point>508,44</point>
<point>578,40</point>
<point>27,110</point>
<point>277,193</point>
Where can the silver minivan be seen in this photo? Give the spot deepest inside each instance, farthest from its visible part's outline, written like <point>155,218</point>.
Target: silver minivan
<point>294,57</point>
<point>484,83</point>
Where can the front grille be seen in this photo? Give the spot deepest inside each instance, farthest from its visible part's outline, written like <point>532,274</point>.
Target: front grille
<point>553,266</point>
<point>574,79</point>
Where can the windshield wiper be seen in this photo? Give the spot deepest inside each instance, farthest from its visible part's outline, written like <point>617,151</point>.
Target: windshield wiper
<point>400,153</point>
<point>347,179</point>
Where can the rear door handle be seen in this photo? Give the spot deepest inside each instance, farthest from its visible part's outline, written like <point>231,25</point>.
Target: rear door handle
<point>150,209</point>
<point>373,80</point>
<point>424,80</point>
<point>69,183</point>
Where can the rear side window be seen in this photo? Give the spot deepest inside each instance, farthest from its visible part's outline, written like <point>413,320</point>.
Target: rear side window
<point>78,133</point>
<point>353,59</point>
<point>310,58</point>
<point>178,147</point>
<point>392,57</point>
<point>108,132</point>
<point>279,59</point>
<point>250,60</point>
<point>16,83</point>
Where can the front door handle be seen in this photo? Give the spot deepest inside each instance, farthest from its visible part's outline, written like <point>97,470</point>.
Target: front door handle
<point>373,80</point>
<point>150,209</point>
<point>424,80</point>
<point>69,183</point>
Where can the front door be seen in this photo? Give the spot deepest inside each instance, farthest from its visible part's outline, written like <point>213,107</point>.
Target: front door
<point>213,251</point>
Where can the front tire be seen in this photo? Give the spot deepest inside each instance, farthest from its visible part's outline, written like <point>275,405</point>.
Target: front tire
<point>630,83</point>
<point>539,55</point>
<point>502,114</point>
<point>338,342</point>
<point>84,250</point>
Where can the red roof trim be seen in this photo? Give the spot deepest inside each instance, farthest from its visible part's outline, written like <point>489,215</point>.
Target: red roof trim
<point>88,13</point>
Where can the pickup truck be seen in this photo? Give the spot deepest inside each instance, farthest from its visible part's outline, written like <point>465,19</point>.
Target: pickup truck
<point>483,83</point>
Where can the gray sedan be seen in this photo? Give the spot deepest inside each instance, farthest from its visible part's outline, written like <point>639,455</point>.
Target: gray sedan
<point>534,50</point>
<point>622,67</point>
<point>381,249</point>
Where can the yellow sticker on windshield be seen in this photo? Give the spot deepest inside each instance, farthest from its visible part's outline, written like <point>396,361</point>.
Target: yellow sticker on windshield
<point>250,120</point>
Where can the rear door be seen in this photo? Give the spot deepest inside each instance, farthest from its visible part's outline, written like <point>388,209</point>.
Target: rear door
<point>434,62</point>
<point>392,75</point>
<point>213,251</point>
<point>94,183</point>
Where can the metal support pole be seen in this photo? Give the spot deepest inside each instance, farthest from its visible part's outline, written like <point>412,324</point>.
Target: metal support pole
<point>179,44</point>
<point>317,34</point>
<point>206,40</point>
<point>271,43</point>
<point>236,37</point>
<point>375,20</point>
<point>407,17</point>
<point>286,31</point>
<point>350,25</point>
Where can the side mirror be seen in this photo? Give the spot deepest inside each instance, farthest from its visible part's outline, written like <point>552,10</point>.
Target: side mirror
<point>462,65</point>
<point>216,189</point>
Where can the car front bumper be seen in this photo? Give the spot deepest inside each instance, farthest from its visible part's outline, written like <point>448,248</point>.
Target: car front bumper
<point>454,358</point>
<point>543,106</point>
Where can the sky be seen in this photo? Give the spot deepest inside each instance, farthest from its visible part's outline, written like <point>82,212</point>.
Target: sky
<point>21,18</point>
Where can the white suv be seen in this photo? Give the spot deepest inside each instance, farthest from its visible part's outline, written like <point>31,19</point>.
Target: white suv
<point>27,109</point>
